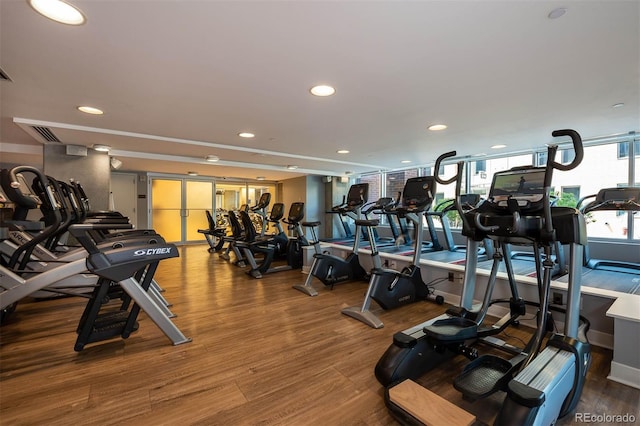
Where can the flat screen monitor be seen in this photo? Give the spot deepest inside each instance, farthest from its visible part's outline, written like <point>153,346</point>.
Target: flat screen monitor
<point>525,185</point>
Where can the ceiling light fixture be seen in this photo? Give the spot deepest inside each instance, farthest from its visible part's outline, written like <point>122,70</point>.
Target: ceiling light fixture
<point>405,161</point>
<point>436,127</point>
<point>212,158</point>
<point>322,90</point>
<point>59,11</point>
<point>260,177</point>
<point>556,13</point>
<point>618,105</point>
<point>292,167</point>
<point>498,146</point>
<point>246,135</point>
<point>343,151</point>
<point>90,110</point>
<point>192,173</point>
<point>102,148</point>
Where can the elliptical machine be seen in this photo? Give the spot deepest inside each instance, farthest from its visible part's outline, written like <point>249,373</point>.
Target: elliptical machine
<point>329,268</point>
<point>388,287</point>
<point>541,386</point>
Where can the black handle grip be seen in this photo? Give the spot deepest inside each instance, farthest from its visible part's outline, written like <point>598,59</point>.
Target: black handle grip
<point>437,168</point>
<point>577,148</point>
<point>15,183</point>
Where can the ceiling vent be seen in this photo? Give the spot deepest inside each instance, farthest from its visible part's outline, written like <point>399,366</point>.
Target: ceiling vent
<point>46,134</point>
<point>4,76</point>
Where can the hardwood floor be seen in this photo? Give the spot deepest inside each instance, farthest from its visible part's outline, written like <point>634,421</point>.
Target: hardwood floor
<point>262,353</point>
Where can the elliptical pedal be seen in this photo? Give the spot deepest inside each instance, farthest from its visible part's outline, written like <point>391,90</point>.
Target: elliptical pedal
<point>452,330</point>
<point>486,375</point>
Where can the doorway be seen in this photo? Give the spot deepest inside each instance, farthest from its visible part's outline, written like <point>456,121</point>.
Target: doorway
<point>178,207</point>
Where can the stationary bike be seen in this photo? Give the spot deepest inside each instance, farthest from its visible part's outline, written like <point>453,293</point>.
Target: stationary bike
<point>329,268</point>
<point>388,287</point>
<point>541,385</point>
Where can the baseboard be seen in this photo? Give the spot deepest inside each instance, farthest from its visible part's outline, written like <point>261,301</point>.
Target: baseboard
<point>625,374</point>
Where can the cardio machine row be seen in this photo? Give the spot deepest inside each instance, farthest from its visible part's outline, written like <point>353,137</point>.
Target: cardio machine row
<point>543,380</point>
<point>263,252</point>
<point>113,264</point>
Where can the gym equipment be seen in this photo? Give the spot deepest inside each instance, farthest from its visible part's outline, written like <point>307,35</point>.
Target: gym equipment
<point>390,288</point>
<point>331,269</point>
<point>121,265</point>
<point>27,255</point>
<point>237,234</point>
<point>541,386</point>
<point>620,199</point>
<point>260,209</point>
<point>214,235</point>
<point>267,246</point>
<point>441,210</point>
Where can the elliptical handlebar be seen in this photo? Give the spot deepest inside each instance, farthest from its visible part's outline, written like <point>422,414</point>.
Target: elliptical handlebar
<point>15,182</point>
<point>457,178</point>
<point>439,160</point>
<point>577,148</point>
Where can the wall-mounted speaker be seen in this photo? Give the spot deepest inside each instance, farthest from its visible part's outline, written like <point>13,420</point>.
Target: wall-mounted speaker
<point>115,163</point>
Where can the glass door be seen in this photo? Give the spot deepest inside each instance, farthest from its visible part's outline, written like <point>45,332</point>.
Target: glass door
<point>178,208</point>
<point>166,208</point>
<point>198,199</point>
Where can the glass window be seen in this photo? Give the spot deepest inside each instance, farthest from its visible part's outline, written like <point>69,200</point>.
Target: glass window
<point>569,196</point>
<point>375,191</point>
<point>395,182</point>
<point>623,149</point>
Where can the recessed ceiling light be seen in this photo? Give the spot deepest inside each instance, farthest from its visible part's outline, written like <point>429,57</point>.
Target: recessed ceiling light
<point>322,90</point>
<point>405,161</point>
<point>618,105</point>
<point>292,167</point>
<point>212,158</point>
<point>556,13</point>
<point>246,135</point>
<point>102,148</point>
<point>498,146</point>
<point>192,173</point>
<point>343,151</point>
<point>90,110</point>
<point>260,178</point>
<point>58,11</point>
<point>436,127</point>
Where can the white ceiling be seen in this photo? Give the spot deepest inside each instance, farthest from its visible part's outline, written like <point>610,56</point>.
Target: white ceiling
<point>180,79</point>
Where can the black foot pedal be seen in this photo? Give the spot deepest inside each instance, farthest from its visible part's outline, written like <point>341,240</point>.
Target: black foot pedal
<point>483,376</point>
<point>452,330</point>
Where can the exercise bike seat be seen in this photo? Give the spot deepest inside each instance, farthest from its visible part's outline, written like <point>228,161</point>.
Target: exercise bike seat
<point>368,222</point>
<point>309,224</point>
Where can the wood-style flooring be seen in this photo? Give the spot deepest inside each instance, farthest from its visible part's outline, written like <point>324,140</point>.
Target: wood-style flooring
<point>262,353</point>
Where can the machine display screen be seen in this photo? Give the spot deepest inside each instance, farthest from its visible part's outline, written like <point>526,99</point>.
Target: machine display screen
<point>525,184</point>
<point>418,191</point>
<point>358,194</point>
